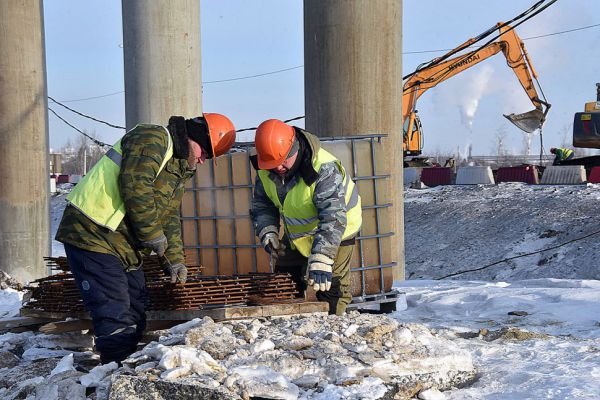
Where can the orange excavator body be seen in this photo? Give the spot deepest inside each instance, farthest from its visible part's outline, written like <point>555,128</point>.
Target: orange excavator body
<point>509,44</point>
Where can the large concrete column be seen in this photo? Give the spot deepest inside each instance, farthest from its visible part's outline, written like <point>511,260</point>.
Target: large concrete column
<point>161,47</point>
<point>24,179</point>
<point>353,80</point>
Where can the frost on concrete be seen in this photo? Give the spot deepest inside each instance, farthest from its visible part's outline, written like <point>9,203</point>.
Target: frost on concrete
<point>357,356</point>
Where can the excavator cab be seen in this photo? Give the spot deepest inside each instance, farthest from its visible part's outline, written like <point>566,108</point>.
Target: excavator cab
<point>586,125</point>
<point>413,141</point>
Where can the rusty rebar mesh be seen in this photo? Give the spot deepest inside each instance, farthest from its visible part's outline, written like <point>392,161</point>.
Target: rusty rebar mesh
<point>59,293</point>
<point>150,265</point>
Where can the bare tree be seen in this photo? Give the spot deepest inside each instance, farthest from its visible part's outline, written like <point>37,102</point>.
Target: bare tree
<point>566,136</point>
<point>499,143</point>
<point>80,158</point>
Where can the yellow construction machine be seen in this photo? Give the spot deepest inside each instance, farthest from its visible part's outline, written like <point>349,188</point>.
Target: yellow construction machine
<point>431,74</point>
<point>586,125</point>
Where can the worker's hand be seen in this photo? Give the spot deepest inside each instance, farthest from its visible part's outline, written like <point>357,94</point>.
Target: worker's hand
<point>177,272</point>
<point>272,245</point>
<point>320,272</point>
<point>158,245</point>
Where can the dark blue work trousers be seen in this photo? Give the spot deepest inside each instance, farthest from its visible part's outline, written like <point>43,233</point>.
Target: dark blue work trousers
<point>115,299</point>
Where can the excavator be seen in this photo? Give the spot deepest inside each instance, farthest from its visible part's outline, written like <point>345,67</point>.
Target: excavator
<point>438,70</point>
<point>586,125</point>
<point>586,134</point>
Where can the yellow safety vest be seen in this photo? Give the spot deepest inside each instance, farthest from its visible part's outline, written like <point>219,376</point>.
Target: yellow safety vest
<point>300,215</point>
<point>97,195</point>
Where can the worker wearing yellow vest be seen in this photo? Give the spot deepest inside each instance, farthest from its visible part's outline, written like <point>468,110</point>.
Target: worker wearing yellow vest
<point>308,189</point>
<point>561,154</point>
<point>126,207</point>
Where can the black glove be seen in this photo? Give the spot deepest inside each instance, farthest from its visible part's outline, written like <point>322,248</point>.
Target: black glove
<point>158,245</point>
<point>177,272</point>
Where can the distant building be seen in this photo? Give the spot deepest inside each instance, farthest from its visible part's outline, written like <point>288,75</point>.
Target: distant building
<point>55,163</point>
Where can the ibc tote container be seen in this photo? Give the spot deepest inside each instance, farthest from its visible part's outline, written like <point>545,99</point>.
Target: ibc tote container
<point>218,233</point>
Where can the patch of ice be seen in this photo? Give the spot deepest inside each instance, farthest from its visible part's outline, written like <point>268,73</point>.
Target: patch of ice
<point>10,302</point>
<point>97,374</point>
<point>371,388</point>
<point>263,382</point>
<point>65,364</point>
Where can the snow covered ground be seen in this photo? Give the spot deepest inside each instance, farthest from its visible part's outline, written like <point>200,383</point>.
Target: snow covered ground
<point>531,324</point>
<point>57,206</point>
<point>552,351</point>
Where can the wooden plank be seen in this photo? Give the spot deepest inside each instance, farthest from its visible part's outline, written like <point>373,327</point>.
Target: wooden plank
<point>218,314</point>
<point>9,323</point>
<point>226,313</point>
<point>66,326</point>
<point>54,315</point>
<point>86,324</point>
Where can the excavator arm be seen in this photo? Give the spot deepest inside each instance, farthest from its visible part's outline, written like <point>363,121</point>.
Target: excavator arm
<point>426,78</point>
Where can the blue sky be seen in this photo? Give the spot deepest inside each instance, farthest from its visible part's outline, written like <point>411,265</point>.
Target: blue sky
<point>241,38</point>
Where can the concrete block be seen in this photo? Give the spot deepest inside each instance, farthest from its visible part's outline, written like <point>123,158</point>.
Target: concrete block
<point>411,175</point>
<point>474,176</point>
<point>564,175</point>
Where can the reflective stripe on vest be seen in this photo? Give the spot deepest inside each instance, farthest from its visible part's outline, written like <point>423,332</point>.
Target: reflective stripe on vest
<point>299,213</point>
<point>567,153</point>
<point>97,195</point>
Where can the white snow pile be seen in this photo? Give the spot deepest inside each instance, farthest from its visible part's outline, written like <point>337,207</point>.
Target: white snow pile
<point>532,324</point>
<point>455,228</point>
<point>359,356</point>
<point>42,367</point>
<point>10,302</point>
<point>58,202</point>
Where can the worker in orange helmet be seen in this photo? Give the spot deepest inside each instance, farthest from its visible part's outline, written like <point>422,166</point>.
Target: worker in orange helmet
<point>126,207</point>
<point>308,189</point>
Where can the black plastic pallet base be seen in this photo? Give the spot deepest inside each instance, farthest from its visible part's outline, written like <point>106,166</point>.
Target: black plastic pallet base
<point>386,302</point>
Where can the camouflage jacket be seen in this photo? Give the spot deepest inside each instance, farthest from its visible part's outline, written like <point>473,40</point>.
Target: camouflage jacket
<point>151,205</point>
<point>328,199</point>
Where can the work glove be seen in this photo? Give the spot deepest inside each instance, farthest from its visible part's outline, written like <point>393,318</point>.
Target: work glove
<point>272,245</point>
<point>177,272</point>
<point>320,272</point>
<point>158,245</point>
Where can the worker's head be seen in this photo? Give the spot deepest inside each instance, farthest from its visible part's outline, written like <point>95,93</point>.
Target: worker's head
<point>276,146</point>
<point>197,139</point>
<point>553,150</point>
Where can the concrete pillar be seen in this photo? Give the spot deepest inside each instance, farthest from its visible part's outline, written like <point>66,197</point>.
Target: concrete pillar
<point>24,178</point>
<point>353,80</point>
<point>161,48</point>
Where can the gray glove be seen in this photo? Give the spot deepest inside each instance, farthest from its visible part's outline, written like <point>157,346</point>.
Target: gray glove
<point>177,272</point>
<point>320,272</point>
<point>158,245</point>
<point>272,245</point>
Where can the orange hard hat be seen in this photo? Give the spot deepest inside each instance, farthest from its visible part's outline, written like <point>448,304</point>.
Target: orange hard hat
<point>273,140</point>
<point>221,132</point>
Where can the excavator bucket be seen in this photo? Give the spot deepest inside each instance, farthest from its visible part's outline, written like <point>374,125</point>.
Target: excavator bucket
<point>529,121</point>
